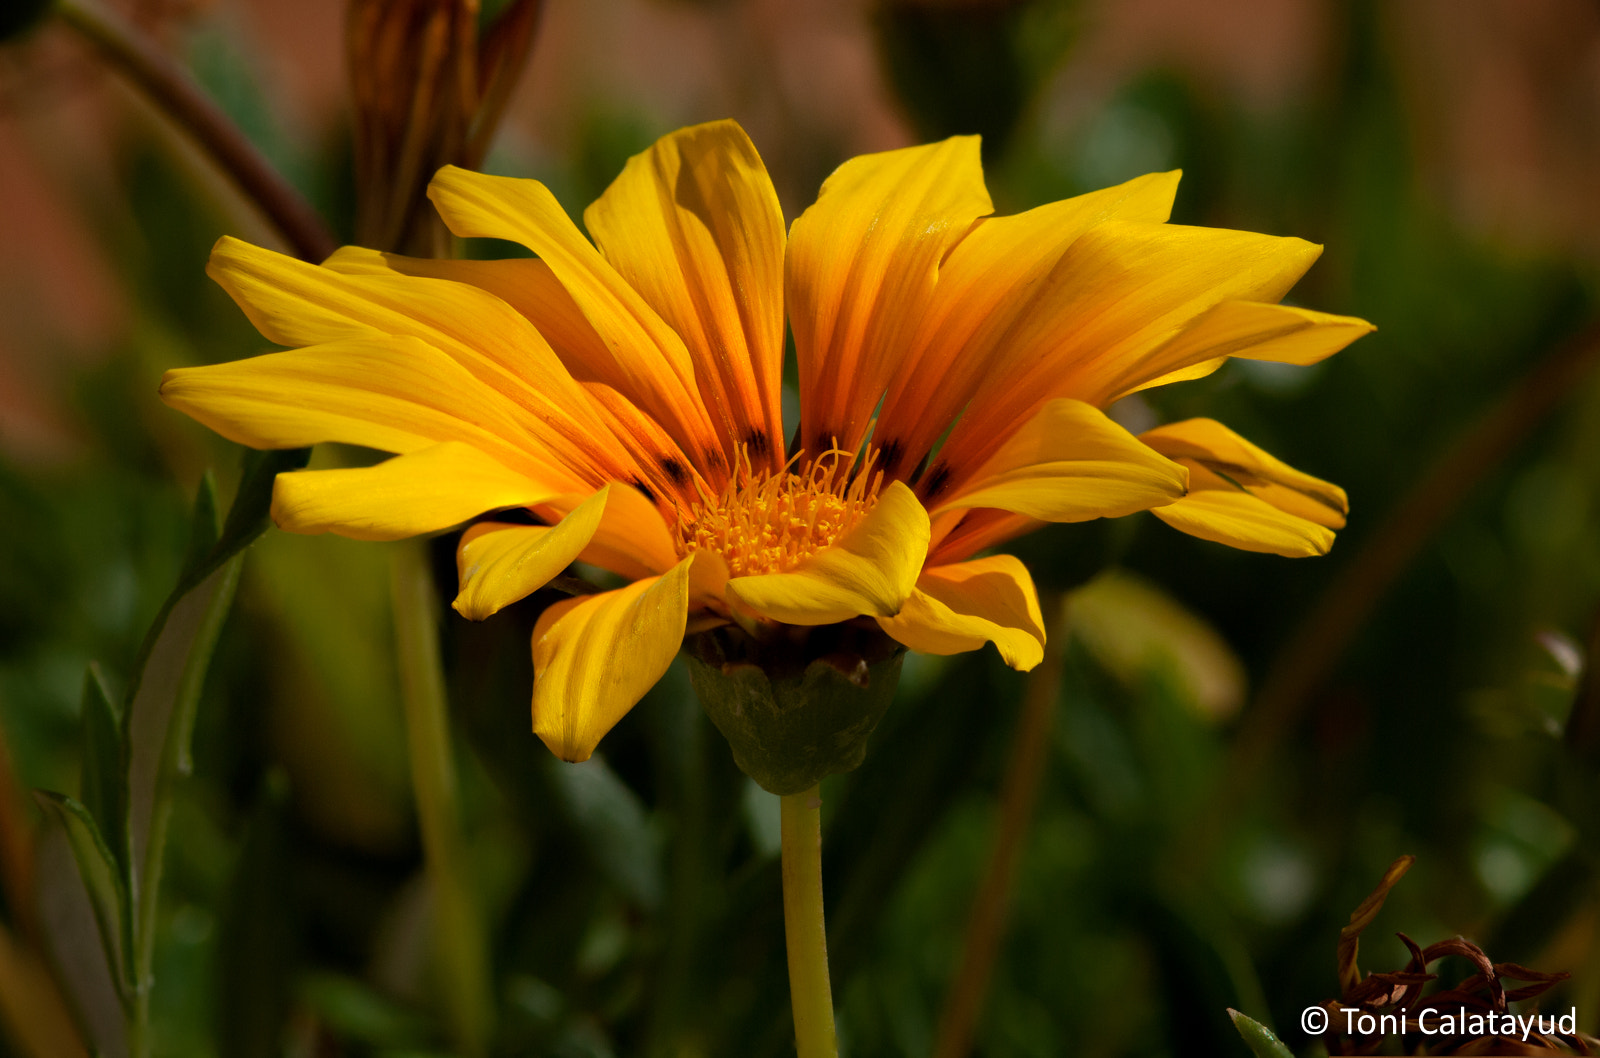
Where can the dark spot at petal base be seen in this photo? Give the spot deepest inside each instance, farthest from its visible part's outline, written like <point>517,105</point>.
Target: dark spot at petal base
<point>674,470</point>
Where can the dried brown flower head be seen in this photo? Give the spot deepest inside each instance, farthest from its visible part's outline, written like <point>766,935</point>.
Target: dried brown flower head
<point>1474,1017</point>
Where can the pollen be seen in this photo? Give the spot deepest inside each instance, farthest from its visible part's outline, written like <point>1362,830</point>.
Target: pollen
<point>763,522</point>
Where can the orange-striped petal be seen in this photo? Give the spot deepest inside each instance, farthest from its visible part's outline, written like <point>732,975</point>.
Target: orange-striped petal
<point>992,272</point>
<point>644,358</point>
<point>860,275</point>
<point>420,492</point>
<point>1068,463</point>
<point>595,656</point>
<point>694,225</point>
<point>968,532</point>
<point>956,608</point>
<point>1118,293</point>
<point>869,571</point>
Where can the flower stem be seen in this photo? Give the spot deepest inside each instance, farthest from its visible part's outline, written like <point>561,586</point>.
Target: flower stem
<point>460,947</point>
<point>803,928</point>
<point>175,95</point>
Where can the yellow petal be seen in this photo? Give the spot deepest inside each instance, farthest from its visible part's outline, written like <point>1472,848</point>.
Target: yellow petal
<point>631,537</point>
<point>645,359</point>
<point>959,607</point>
<point>694,225</point>
<point>499,564</point>
<point>420,492</point>
<point>1231,516</point>
<point>294,303</point>
<point>1119,292</point>
<point>596,655</point>
<point>1068,463</point>
<point>1208,443</point>
<point>860,275</point>
<point>870,570</point>
<point>393,394</point>
<point>1251,330</point>
<point>991,273</point>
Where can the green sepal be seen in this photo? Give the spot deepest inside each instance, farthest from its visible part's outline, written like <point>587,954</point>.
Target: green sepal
<point>797,707</point>
<point>108,896</point>
<point>1263,1043</point>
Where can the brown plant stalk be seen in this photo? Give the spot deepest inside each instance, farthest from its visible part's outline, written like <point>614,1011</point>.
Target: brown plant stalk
<point>991,906</point>
<point>175,95</point>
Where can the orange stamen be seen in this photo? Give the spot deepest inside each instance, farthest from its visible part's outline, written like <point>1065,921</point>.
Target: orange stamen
<point>763,522</point>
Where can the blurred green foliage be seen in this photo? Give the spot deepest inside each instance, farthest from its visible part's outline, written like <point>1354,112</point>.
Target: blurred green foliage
<point>634,901</point>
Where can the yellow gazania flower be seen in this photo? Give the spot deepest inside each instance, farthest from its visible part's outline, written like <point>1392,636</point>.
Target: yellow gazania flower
<point>628,392</point>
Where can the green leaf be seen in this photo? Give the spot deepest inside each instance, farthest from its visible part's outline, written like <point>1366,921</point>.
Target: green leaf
<point>204,525</point>
<point>613,823</point>
<point>105,769</point>
<point>159,716</point>
<point>101,878</point>
<point>250,515</point>
<point>1260,1039</point>
<point>158,719</point>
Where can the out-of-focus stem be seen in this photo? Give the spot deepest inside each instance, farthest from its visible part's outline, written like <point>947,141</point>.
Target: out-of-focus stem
<point>986,924</point>
<point>175,95</point>
<point>804,931</point>
<point>460,946</point>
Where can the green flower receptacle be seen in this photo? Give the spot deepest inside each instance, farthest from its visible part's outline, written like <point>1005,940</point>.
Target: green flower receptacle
<point>795,710</point>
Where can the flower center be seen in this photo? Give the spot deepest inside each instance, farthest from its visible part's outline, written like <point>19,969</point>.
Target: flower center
<point>768,523</point>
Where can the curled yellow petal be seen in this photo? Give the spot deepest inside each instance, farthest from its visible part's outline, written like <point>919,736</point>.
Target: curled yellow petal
<point>631,538</point>
<point>420,492</point>
<point>499,564</point>
<point>1250,330</point>
<point>1234,517</point>
<point>1212,445</point>
<point>870,570</point>
<point>595,656</point>
<point>1245,497</point>
<point>1068,463</point>
<point>960,607</point>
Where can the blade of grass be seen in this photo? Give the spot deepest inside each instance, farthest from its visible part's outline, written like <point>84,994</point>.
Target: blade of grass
<point>1260,1039</point>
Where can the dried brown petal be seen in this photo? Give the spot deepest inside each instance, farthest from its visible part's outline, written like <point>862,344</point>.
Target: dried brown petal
<point>1361,918</point>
